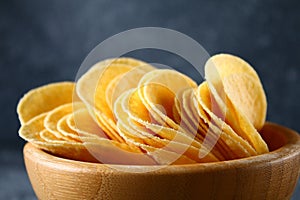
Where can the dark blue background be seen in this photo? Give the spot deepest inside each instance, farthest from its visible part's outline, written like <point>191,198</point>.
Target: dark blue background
<point>46,41</point>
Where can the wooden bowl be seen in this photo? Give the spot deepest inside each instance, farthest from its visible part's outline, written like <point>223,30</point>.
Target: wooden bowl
<point>270,176</point>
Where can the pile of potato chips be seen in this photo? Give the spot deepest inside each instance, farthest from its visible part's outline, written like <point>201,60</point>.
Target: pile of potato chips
<point>125,111</point>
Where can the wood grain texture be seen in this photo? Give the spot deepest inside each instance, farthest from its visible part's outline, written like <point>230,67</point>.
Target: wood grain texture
<point>270,176</point>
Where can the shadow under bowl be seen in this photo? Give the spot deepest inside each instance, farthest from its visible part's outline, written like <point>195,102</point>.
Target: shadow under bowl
<point>273,175</point>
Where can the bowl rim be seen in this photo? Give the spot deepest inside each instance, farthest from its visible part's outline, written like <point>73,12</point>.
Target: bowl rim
<point>290,149</point>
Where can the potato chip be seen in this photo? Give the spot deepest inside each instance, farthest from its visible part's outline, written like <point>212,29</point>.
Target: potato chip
<point>170,139</point>
<point>238,145</point>
<point>132,113</point>
<point>247,97</point>
<point>241,124</point>
<point>201,130</point>
<point>164,153</point>
<point>106,76</point>
<point>220,68</point>
<point>50,137</point>
<point>173,80</point>
<point>193,122</point>
<point>180,144</point>
<point>108,126</point>
<point>65,130</point>
<point>92,88</point>
<point>56,114</point>
<point>212,132</point>
<point>98,78</point>
<point>81,122</point>
<point>125,82</point>
<point>115,155</point>
<point>135,110</point>
<point>187,111</point>
<point>110,90</point>
<point>129,129</point>
<point>30,131</point>
<point>166,84</point>
<point>44,99</point>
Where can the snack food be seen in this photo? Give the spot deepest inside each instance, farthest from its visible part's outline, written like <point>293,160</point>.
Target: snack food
<point>125,111</point>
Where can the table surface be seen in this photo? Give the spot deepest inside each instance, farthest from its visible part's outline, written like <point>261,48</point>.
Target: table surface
<point>14,182</point>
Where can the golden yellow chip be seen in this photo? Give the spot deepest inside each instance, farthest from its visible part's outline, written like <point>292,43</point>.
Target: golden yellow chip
<point>106,76</point>
<point>162,86</point>
<point>202,130</point>
<point>74,150</point>
<point>87,89</point>
<point>226,65</point>
<point>125,82</point>
<point>240,146</point>
<point>179,143</point>
<point>191,120</point>
<point>136,111</point>
<point>170,139</point>
<point>247,96</point>
<point>159,100</point>
<point>56,114</point>
<point>49,137</point>
<point>81,122</point>
<point>132,113</point>
<point>44,99</point>
<point>237,121</point>
<point>131,130</point>
<point>92,86</point>
<point>108,126</point>
<point>205,133</point>
<point>30,131</point>
<point>64,129</point>
<point>98,78</point>
<point>173,80</point>
<point>220,70</point>
<point>109,93</point>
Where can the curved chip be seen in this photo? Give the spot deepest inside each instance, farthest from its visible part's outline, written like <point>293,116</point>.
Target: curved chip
<point>247,96</point>
<point>81,122</point>
<point>132,113</point>
<point>30,131</point>
<point>240,145</point>
<point>158,89</point>
<point>65,130</point>
<point>125,82</point>
<point>53,117</point>
<point>92,88</point>
<point>44,99</point>
<point>169,139</point>
<point>221,70</point>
